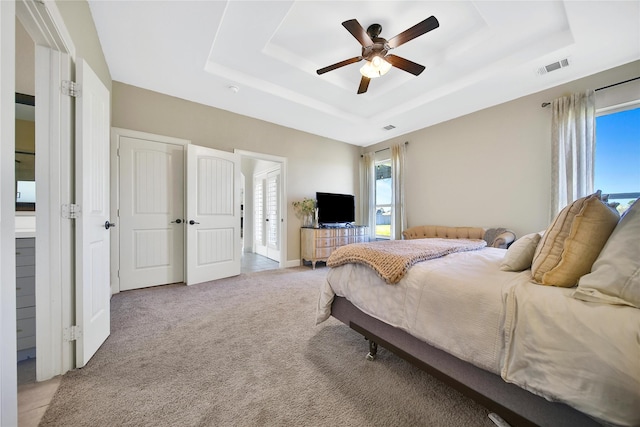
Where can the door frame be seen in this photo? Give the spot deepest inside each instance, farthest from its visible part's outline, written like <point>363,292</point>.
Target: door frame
<point>54,234</point>
<point>283,199</point>
<point>46,27</point>
<point>8,356</point>
<point>116,134</point>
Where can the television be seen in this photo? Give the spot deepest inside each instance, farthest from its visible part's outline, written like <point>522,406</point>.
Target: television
<point>335,208</point>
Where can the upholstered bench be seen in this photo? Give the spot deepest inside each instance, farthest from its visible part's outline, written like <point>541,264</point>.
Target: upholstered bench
<point>500,237</point>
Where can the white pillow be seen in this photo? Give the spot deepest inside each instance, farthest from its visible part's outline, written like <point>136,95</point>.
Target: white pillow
<point>520,254</point>
<point>615,275</point>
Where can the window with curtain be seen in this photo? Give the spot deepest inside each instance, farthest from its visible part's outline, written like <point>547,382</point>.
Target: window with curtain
<point>384,200</point>
<point>381,186</point>
<point>617,154</point>
<point>572,148</point>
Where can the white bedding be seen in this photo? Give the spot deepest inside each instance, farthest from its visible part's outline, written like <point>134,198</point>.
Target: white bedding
<point>460,313</point>
<point>538,337</point>
<point>582,353</point>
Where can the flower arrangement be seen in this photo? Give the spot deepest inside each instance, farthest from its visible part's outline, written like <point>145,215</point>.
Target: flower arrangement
<point>305,210</point>
<point>304,207</point>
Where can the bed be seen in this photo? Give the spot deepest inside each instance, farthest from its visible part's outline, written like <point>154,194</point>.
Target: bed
<point>541,343</point>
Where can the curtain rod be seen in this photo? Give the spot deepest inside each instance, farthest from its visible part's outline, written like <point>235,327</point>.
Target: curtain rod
<point>382,149</point>
<point>545,104</point>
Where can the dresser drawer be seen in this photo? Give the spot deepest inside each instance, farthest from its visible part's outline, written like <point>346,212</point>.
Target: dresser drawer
<point>25,313</point>
<point>29,242</point>
<point>325,243</point>
<point>26,327</point>
<point>26,342</point>
<point>341,241</point>
<point>322,233</point>
<point>343,232</point>
<point>26,271</point>
<point>323,252</point>
<point>25,286</point>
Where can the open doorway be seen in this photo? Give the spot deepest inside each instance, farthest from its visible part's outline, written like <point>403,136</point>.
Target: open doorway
<point>264,222</point>
<point>25,206</point>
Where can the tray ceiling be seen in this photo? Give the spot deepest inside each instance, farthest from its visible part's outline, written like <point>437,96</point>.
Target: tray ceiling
<point>484,53</point>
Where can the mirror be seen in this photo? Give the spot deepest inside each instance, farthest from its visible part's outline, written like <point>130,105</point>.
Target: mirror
<point>25,153</point>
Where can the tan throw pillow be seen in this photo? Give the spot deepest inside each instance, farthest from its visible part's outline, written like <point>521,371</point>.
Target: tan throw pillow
<point>520,254</point>
<point>573,241</point>
<point>615,276</point>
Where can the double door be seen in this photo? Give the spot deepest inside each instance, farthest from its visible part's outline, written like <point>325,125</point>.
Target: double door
<point>179,212</point>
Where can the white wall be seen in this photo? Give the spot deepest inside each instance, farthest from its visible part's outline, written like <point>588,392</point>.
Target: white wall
<point>490,168</point>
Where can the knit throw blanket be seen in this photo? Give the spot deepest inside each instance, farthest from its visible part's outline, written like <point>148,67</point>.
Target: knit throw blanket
<point>391,259</point>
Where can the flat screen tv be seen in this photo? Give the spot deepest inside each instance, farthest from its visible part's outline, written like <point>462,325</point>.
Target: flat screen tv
<point>335,208</point>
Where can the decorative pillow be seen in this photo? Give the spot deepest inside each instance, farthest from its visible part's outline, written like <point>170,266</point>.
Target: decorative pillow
<point>520,254</point>
<point>573,241</point>
<point>615,276</point>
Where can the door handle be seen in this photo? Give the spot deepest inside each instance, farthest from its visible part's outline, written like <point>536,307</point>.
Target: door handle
<point>108,225</point>
<point>193,222</point>
<point>177,221</point>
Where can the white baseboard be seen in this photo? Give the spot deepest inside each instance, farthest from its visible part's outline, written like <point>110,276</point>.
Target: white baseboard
<point>293,263</point>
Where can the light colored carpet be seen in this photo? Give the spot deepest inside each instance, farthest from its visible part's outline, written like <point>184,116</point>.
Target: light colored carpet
<point>245,351</point>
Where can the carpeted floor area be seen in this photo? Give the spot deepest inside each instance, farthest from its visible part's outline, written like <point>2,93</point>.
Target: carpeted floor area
<point>245,351</point>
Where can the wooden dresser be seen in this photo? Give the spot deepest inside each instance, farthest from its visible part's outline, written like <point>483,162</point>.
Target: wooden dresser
<point>317,244</point>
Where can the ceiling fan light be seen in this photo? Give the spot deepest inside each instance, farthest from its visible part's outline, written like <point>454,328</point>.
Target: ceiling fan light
<point>375,68</point>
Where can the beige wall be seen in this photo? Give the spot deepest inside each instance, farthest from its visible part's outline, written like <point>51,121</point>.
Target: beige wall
<point>79,22</point>
<point>25,61</point>
<point>491,168</point>
<point>314,163</point>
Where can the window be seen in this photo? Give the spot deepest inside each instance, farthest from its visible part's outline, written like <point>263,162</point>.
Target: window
<point>384,202</point>
<point>617,157</point>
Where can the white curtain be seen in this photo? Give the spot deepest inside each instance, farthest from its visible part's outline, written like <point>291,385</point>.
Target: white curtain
<point>573,138</point>
<point>368,192</point>
<point>398,215</point>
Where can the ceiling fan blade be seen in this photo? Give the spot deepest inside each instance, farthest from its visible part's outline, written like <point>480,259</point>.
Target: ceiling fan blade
<point>431,23</point>
<point>356,30</point>
<point>404,64</point>
<point>340,64</point>
<point>364,85</point>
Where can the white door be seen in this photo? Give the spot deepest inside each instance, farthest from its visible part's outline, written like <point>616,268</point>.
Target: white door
<point>259,219</point>
<point>93,291</point>
<point>151,221</point>
<point>272,213</point>
<point>213,214</point>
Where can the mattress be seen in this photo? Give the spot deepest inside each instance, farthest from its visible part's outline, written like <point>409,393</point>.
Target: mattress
<point>455,303</point>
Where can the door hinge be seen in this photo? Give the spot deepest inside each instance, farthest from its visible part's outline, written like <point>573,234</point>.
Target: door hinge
<point>72,333</point>
<point>71,211</point>
<point>71,88</point>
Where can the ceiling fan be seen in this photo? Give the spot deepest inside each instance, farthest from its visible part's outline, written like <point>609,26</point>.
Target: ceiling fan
<point>375,50</point>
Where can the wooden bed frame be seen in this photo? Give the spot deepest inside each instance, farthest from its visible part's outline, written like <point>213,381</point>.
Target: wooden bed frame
<point>515,405</point>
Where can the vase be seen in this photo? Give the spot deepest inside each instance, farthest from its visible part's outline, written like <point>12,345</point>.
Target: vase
<point>307,220</point>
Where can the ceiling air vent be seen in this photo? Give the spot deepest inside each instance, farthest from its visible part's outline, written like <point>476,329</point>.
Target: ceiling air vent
<point>389,127</point>
<point>553,66</point>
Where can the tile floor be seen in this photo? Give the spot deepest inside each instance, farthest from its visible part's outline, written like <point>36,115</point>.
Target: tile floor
<point>33,398</point>
<point>251,262</point>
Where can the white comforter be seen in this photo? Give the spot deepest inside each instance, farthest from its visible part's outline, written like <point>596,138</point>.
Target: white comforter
<point>538,337</point>
<point>455,303</point>
<point>581,353</point>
